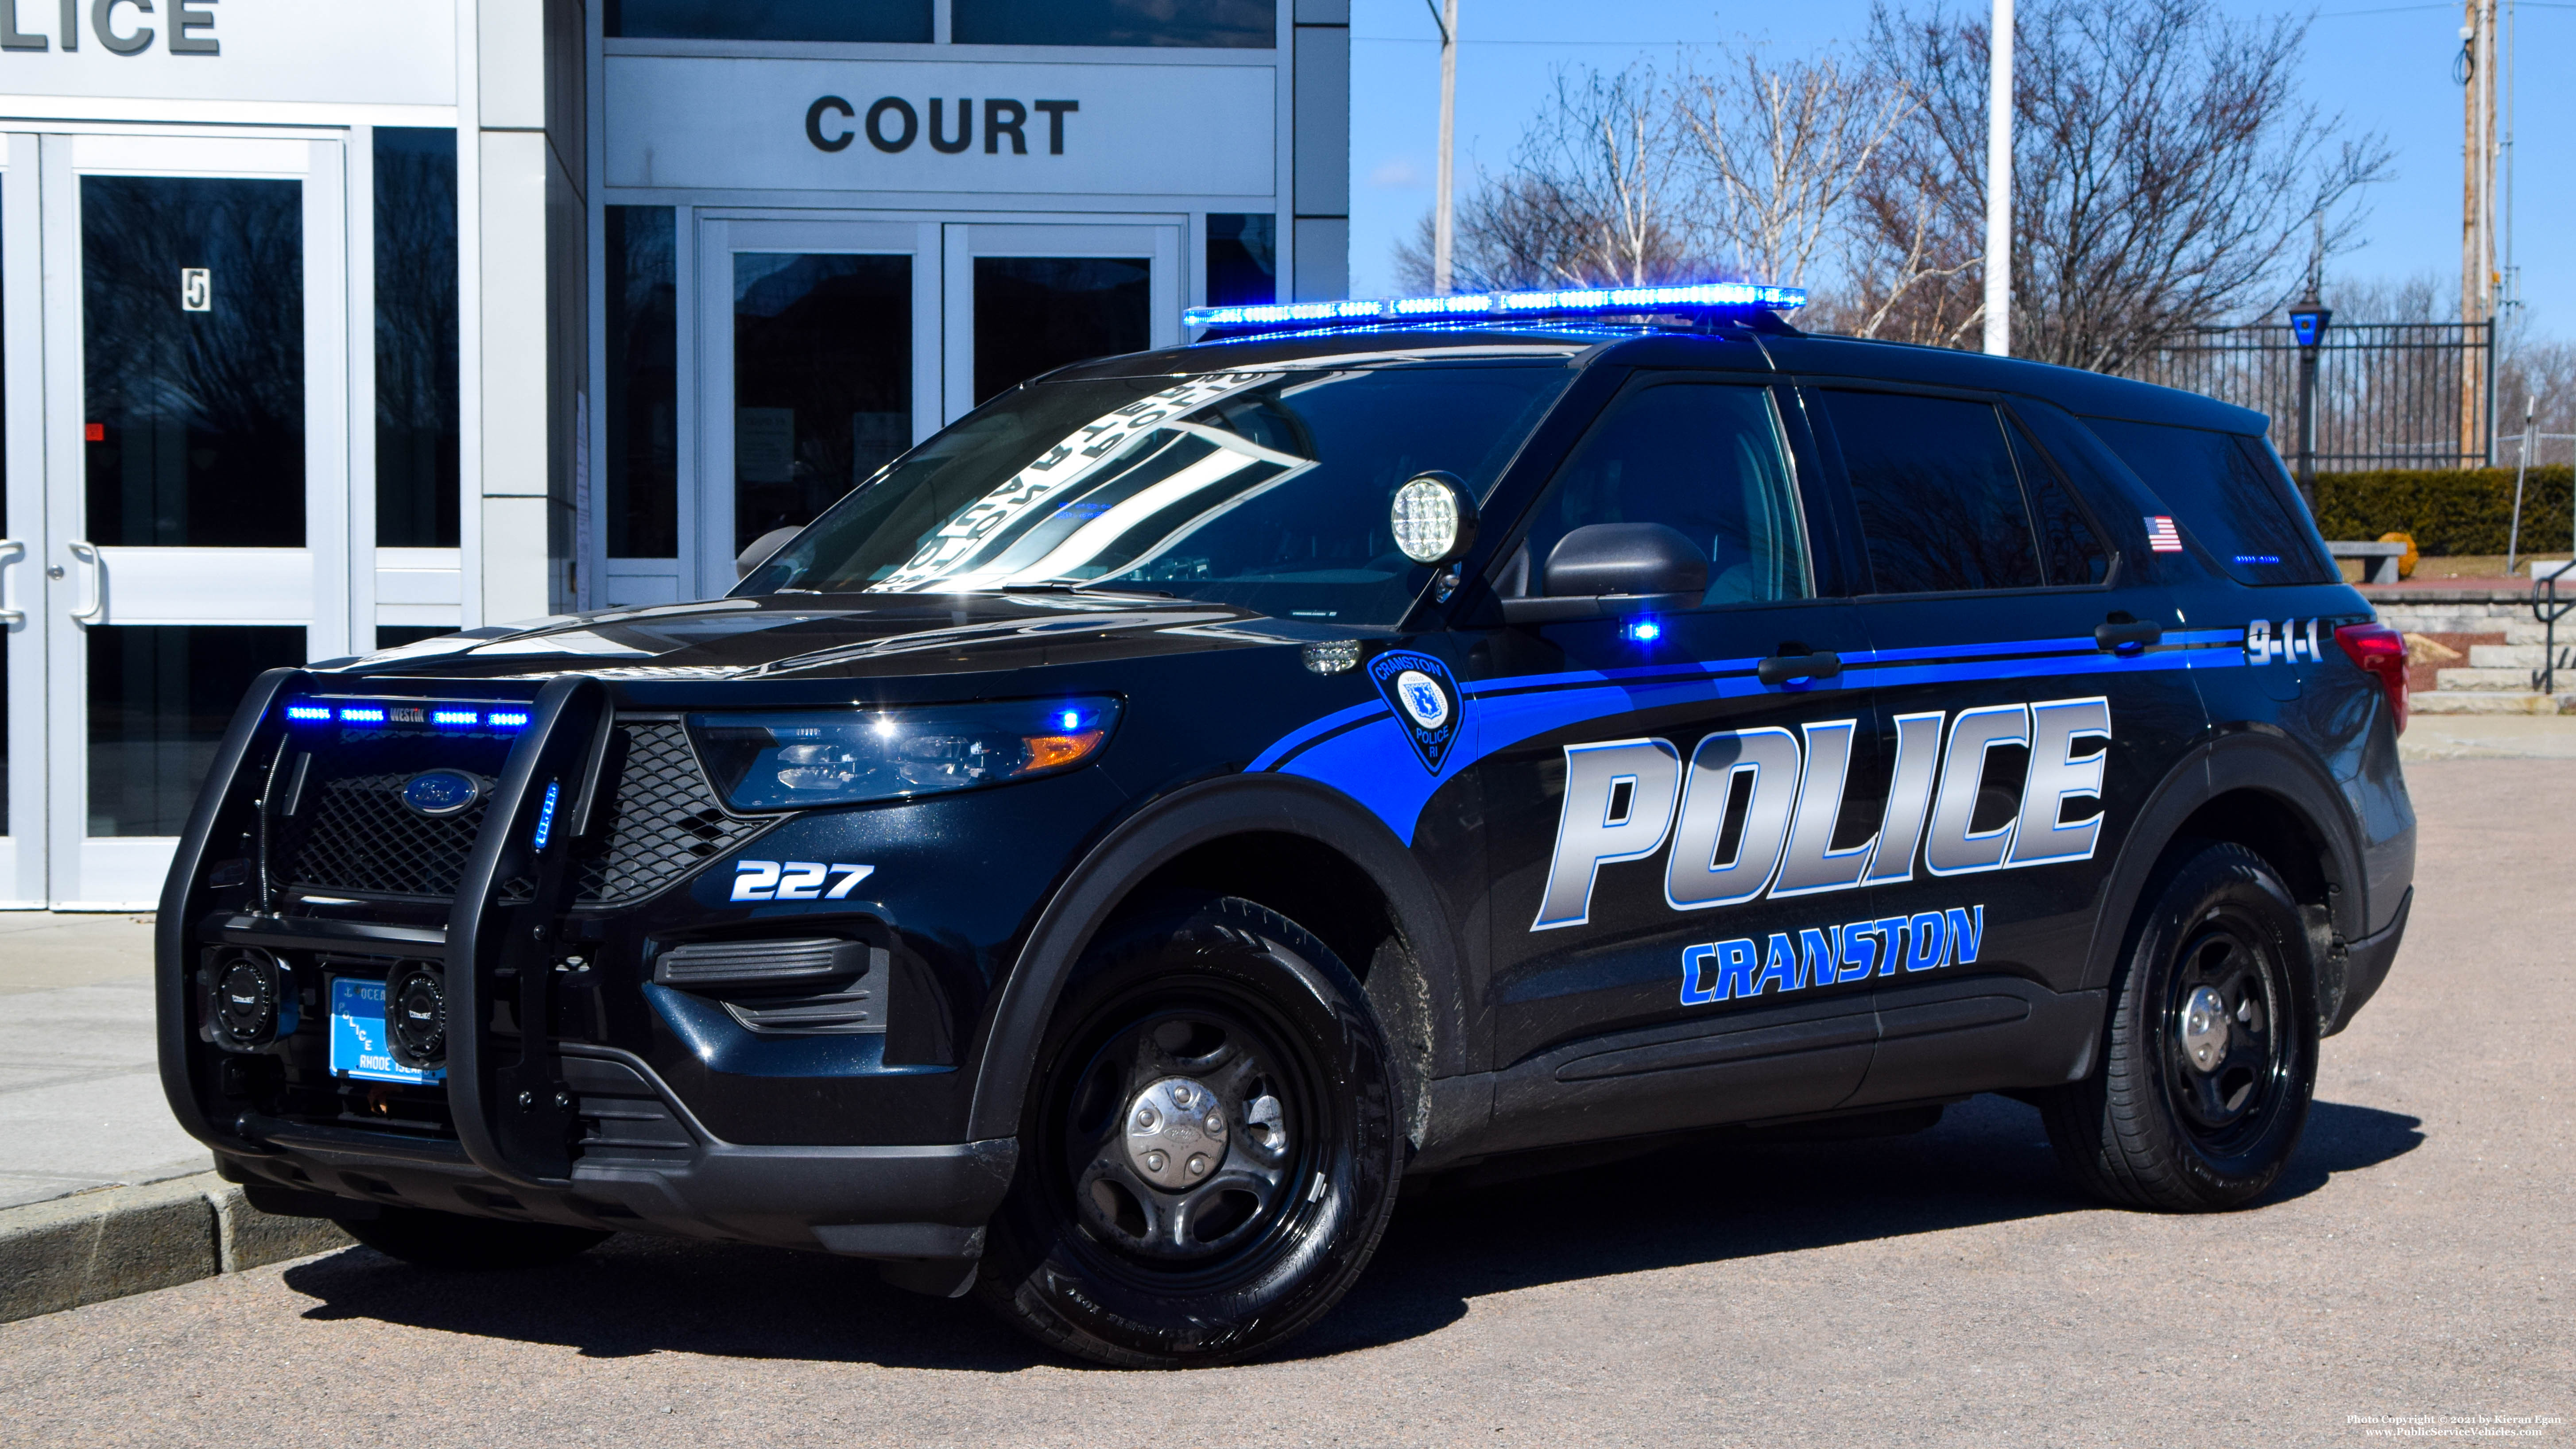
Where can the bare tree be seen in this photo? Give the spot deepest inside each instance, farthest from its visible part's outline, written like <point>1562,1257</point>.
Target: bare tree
<point>2164,174</point>
<point>1596,194</point>
<point>1776,153</point>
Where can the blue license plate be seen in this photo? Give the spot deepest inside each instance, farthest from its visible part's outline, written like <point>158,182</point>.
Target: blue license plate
<point>358,1047</point>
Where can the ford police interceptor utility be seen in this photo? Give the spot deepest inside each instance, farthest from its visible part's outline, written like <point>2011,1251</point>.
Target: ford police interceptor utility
<point>1095,860</point>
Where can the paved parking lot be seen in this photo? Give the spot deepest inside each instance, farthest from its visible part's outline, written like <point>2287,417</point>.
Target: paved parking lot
<point>1940,1289</point>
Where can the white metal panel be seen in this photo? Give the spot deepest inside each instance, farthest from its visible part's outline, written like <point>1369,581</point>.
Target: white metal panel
<point>191,155</point>
<point>23,587</point>
<point>204,586</point>
<point>270,52</point>
<point>120,872</point>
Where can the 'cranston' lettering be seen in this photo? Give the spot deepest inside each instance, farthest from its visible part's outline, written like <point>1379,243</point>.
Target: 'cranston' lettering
<point>1777,797</point>
<point>1829,955</point>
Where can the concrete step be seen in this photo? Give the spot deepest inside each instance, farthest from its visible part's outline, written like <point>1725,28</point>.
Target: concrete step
<point>2450,681</point>
<point>2473,701</point>
<point>2519,656</point>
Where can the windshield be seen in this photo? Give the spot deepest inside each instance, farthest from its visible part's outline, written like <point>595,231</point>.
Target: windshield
<point>1265,489</point>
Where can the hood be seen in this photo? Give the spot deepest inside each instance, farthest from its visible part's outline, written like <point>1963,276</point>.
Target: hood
<point>817,636</point>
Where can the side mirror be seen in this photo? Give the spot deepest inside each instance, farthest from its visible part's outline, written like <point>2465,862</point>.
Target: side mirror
<point>1605,569</point>
<point>759,550</point>
<point>1433,518</point>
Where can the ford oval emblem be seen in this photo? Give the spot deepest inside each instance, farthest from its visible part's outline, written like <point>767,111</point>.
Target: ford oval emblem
<point>440,794</point>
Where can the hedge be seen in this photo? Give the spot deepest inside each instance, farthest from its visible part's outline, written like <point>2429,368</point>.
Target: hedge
<point>2449,511</point>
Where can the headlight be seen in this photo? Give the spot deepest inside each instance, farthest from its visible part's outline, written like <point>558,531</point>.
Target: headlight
<point>790,759</point>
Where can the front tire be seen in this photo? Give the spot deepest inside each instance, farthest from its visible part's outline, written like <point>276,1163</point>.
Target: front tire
<point>433,1239</point>
<point>1210,1151</point>
<point>2210,1056</point>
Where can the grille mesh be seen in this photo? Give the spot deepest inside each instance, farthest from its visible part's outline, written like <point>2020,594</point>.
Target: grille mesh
<point>356,835</point>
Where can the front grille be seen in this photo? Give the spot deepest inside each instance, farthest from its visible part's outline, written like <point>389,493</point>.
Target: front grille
<point>353,834</point>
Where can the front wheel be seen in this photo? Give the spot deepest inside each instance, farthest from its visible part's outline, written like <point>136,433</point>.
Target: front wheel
<point>2211,1054</point>
<point>1210,1152</point>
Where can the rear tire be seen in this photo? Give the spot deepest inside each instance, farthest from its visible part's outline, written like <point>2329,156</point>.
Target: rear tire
<point>451,1240</point>
<point>2210,1054</point>
<point>1138,1235</point>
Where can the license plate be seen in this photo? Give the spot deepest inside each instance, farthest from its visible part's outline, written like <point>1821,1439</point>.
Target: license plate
<point>358,1047</point>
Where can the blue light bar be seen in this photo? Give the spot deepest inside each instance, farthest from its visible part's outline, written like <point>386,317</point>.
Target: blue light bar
<point>1570,302</point>
<point>453,716</point>
<point>546,814</point>
<point>507,719</point>
<point>308,713</point>
<point>361,714</point>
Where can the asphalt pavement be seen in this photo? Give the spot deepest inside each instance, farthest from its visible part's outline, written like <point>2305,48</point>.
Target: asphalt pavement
<point>2411,1271</point>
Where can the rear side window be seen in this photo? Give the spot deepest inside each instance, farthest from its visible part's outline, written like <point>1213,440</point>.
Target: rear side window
<point>1941,502</point>
<point>2229,495</point>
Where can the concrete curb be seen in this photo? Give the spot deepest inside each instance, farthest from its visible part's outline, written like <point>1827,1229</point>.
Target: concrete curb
<point>94,1246</point>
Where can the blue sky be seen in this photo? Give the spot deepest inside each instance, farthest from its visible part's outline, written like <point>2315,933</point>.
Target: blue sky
<point>2384,64</point>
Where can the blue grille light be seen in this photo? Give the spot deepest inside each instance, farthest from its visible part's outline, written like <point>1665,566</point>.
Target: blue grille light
<point>453,716</point>
<point>546,813</point>
<point>507,719</point>
<point>1577,301</point>
<point>308,713</point>
<point>362,714</point>
<point>1069,720</point>
<point>1645,631</point>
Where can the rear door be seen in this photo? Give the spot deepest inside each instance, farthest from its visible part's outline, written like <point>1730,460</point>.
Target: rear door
<point>2030,700</point>
<point>1671,837</point>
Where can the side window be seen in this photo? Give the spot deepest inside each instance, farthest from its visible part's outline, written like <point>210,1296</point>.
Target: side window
<point>1706,459</point>
<point>2068,551</point>
<point>1940,504</point>
<point>2229,494</point>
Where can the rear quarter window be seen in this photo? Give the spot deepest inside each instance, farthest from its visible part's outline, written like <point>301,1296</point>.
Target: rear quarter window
<point>2228,495</point>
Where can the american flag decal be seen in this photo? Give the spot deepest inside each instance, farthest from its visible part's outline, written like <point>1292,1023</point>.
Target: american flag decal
<point>2161,537</point>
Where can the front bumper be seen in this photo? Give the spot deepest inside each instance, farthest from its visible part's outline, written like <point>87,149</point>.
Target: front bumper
<point>532,1122</point>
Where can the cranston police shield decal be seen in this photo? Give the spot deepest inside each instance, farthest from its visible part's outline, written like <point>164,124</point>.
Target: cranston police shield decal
<point>1425,699</point>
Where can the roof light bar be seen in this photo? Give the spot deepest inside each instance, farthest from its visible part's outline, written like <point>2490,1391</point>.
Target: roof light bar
<point>1570,302</point>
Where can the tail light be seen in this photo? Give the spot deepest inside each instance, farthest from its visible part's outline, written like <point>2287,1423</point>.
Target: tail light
<point>2382,651</point>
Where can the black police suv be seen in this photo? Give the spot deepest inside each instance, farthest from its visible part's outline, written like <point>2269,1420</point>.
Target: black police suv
<point>1092,863</point>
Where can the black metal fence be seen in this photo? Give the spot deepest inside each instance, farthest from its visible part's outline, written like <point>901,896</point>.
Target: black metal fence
<point>2389,394</point>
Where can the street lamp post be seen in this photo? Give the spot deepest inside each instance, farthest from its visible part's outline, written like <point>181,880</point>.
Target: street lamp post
<point>2308,320</point>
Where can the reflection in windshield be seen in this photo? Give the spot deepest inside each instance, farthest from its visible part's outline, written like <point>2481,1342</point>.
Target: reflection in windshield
<point>1267,489</point>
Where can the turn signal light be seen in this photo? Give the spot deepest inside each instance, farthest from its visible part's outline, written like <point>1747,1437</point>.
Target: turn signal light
<point>2382,651</point>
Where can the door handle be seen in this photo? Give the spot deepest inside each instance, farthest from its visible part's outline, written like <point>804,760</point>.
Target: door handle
<point>1783,668</point>
<point>11,550</point>
<point>2121,634</point>
<point>88,553</point>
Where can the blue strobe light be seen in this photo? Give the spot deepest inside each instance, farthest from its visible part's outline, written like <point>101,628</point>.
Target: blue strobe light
<point>1700,297</point>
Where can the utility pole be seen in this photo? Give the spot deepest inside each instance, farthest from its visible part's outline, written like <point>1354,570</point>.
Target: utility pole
<point>1999,119</point>
<point>2477,220</point>
<point>1444,220</point>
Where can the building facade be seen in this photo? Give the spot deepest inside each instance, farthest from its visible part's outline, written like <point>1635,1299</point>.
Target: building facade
<point>330,326</point>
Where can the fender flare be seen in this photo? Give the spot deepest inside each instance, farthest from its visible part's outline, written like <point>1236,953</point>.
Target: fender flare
<point>2260,760</point>
<point>1190,817</point>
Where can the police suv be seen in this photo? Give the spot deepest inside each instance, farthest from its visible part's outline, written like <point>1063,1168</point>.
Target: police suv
<point>1092,863</point>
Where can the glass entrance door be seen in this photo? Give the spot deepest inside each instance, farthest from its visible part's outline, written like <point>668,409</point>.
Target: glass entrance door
<point>819,363</point>
<point>195,454</point>
<point>1026,299</point>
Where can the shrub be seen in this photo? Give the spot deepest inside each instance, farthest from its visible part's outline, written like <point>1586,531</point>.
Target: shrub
<point>2449,511</point>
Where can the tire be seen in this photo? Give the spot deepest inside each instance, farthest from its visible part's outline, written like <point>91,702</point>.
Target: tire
<point>1131,1236</point>
<point>453,1241</point>
<point>2198,1111</point>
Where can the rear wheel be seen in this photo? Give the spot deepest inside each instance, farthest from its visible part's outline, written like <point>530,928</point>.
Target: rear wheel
<point>2210,1057</point>
<point>1210,1152</point>
<point>452,1240</point>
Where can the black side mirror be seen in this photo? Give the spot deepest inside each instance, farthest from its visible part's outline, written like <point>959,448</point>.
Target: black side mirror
<point>1604,569</point>
<point>758,551</point>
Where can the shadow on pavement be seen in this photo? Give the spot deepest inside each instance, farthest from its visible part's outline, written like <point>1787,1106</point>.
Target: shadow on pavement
<point>1987,1162</point>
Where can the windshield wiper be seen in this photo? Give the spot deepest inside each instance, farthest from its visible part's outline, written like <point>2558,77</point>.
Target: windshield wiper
<point>1059,586</point>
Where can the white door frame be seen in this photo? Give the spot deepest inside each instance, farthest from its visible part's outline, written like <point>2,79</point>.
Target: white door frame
<point>106,587</point>
<point>23,591</point>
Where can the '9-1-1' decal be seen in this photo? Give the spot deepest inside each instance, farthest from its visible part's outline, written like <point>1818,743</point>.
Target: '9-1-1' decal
<point>1625,798</point>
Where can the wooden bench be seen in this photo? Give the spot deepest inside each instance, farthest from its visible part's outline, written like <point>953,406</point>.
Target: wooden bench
<point>2384,571</point>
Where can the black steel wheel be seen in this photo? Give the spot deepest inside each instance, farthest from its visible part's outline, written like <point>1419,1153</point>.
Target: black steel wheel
<point>1210,1151</point>
<point>2209,1057</point>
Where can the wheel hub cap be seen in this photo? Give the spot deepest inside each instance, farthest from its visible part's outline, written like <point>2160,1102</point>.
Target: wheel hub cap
<point>1176,1133</point>
<point>2203,1027</point>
